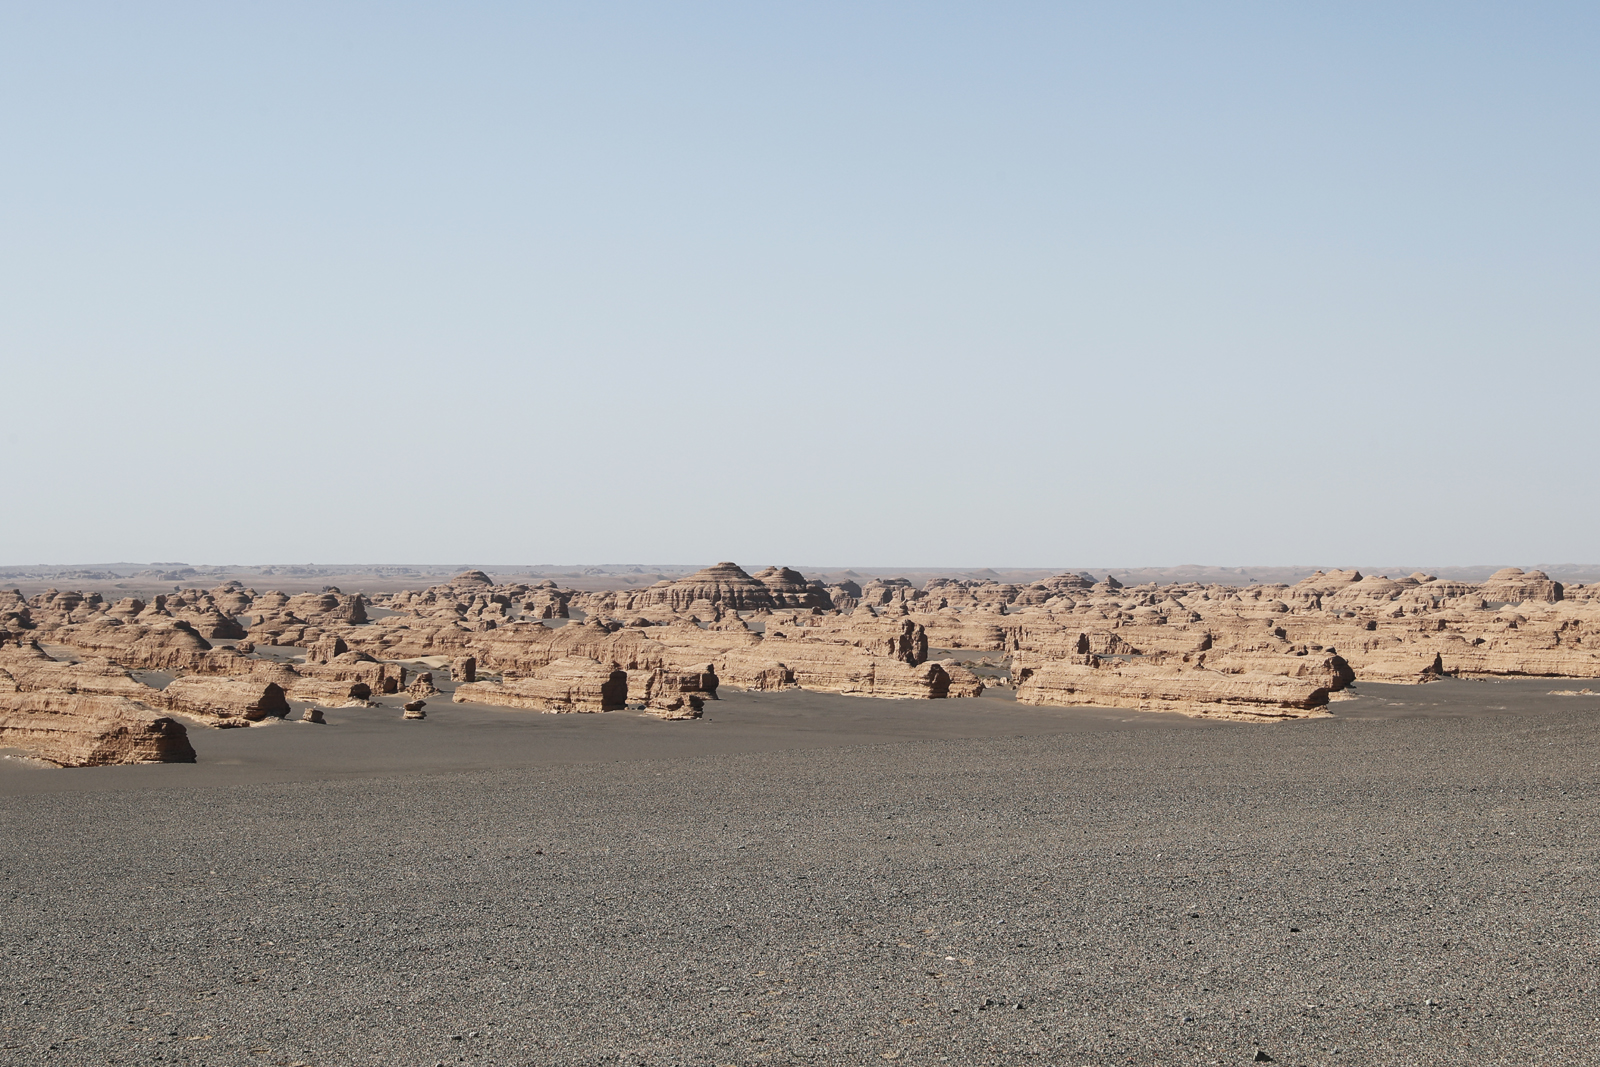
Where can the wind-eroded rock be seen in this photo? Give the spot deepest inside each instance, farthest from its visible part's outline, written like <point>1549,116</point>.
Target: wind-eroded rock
<point>672,694</point>
<point>1514,585</point>
<point>568,685</point>
<point>82,730</point>
<point>325,691</point>
<point>830,668</point>
<point>32,670</point>
<point>226,700</point>
<point>725,584</point>
<point>360,667</point>
<point>1322,668</point>
<point>1187,690</point>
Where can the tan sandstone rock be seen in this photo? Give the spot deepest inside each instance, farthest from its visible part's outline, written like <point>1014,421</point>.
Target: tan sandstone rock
<point>80,730</point>
<point>1186,690</point>
<point>569,685</point>
<point>225,700</point>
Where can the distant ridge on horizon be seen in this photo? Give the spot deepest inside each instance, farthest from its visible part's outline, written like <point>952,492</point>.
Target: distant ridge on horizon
<point>637,573</point>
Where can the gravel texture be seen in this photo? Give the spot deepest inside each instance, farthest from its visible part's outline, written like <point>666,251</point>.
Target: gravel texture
<point>1415,886</point>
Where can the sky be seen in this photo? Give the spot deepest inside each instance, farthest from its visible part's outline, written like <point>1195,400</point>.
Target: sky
<point>876,284</point>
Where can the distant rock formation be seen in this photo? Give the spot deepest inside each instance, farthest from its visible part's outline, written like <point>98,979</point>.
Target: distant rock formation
<point>575,684</point>
<point>1190,691</point>
<point>724,584</point>
<point>1513,585</point>
<point>1259,651</point>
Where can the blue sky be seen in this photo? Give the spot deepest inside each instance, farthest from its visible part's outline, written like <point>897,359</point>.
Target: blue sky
<point>875,284</point>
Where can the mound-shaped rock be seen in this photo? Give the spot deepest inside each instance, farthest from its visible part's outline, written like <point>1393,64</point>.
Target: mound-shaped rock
<point>725,584</point>
<point>1513,585</point>
<point>791,590</point>
<point>327,609</point>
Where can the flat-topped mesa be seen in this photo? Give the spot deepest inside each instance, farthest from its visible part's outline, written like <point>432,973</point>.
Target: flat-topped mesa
<point>569,685</point>
<point>84,730</point>
<point>725,584</point>
<point>526,648</point>
<point>225,701</point>
<point>1513,585</point>
<point>1186,690</point>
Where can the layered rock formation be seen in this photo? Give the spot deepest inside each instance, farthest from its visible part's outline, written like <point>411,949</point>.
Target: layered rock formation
<point>1191,691</point>
<point>225,701</point>
<point>1514,585</point>
<point>82,730</point>
<point>31,670</point>
<point>725,585</point>
<point>575,684</point>
<point>1201,648</point>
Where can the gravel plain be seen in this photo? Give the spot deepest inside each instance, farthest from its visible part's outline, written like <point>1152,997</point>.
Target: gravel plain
<point>822,880</point>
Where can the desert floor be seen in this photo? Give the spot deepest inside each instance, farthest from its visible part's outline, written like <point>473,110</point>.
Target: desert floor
<point>802,878</point>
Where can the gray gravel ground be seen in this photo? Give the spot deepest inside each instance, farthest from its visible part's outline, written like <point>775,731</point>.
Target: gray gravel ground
<point>1408,885</point>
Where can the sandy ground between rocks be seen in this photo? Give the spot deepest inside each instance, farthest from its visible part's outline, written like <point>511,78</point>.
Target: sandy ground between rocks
<point>801,878</point>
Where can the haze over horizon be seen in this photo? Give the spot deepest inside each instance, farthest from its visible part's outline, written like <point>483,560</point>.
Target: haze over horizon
<point>908,282</point>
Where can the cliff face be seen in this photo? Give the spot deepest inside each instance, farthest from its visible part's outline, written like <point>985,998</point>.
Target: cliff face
<point>82,730</point>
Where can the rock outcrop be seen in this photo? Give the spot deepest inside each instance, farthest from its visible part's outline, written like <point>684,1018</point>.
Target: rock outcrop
<point>225,701</point>
<point>82,730</point>
<point>569,685</point>
<point>725,584</point>
<point>1513,585</point>
<point>673,694</point>
<point>1190,691</point>
<point>334,694</point>
<point>32,670</point>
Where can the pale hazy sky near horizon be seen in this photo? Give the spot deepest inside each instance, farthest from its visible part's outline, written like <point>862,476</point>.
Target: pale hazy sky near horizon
<point>1005,284</point>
